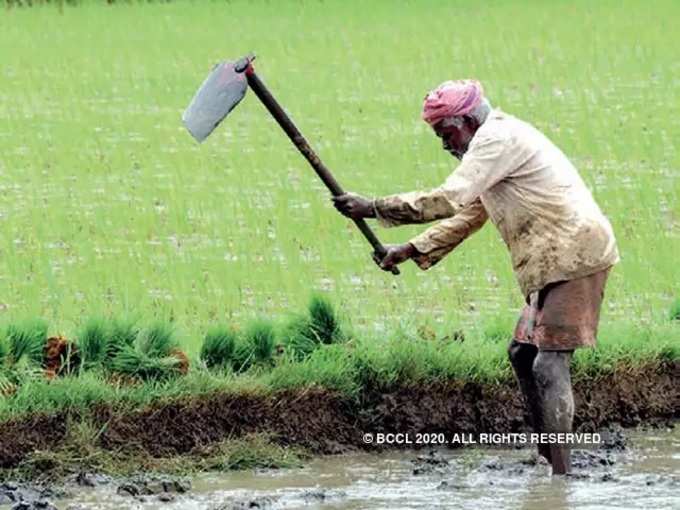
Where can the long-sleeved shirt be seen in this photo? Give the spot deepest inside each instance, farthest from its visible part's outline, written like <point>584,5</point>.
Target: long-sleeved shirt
<point>515,176</point>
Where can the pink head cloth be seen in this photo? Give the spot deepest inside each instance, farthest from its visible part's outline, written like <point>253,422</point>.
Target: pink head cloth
<point>451,99</point>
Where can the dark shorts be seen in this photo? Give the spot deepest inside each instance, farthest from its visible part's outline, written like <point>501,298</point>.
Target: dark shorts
<point>563,315</point>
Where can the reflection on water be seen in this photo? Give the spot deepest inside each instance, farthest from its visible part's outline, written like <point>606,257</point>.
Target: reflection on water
<point>646,475</point>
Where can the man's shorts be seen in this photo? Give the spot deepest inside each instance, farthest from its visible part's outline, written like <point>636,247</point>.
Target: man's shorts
<point>563,315</point>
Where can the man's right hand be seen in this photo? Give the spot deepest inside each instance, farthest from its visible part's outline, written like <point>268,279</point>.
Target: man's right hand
<point>396,254</point>
<point>354,206</point>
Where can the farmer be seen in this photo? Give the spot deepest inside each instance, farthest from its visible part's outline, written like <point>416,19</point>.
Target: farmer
<point>561,244</point>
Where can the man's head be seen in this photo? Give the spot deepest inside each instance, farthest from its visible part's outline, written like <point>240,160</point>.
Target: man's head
<point>455,110</point>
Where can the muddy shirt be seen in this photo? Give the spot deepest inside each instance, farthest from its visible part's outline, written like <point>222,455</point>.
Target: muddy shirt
<point>534,196</point>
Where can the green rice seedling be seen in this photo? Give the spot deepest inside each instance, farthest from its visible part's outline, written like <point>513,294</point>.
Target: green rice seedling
<point>254,451</point>
<point>675,310</point>
<point>132,362</point>
<point>324,322</point>
<point>303,334</point>
<point>158,341</point>
<point>259,337</point>
<point>499,328</point>
<point>243,356</point>
<point>27,341</point>
<point>93,343</point>
<point>152,356</point>
<point>298,338</point>
<point>121,333</point>
<point>4,350</point>
<point>254,347</point>
<point>218,347</point>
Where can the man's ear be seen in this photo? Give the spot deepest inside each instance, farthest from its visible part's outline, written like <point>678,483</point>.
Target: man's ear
<point>470,122</point>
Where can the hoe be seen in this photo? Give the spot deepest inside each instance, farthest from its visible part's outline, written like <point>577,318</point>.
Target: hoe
<point>223,89</point>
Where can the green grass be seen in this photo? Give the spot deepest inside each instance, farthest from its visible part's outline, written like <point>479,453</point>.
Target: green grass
<point>355,365</point>
<point>218,347</point>
<point>112,208</point>
<point>320,325</point>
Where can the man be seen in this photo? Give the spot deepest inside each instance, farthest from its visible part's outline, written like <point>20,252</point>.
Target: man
<point>561,245</point>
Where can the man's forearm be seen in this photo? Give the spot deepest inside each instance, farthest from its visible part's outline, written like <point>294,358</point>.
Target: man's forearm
<point>413,208</point>
<point>439,240</point>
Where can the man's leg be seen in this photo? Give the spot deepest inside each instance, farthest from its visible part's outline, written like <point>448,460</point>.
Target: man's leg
<point>522,356</point>
<point>556,401</point>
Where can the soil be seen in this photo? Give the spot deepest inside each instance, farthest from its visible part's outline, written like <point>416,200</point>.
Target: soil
<point>60,356</point>
<point>327,422</point>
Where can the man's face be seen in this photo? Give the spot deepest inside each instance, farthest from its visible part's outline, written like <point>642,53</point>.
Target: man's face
<point>455,138</point>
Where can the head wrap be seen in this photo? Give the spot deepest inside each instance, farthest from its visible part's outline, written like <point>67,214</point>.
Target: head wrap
<point>451,99</point>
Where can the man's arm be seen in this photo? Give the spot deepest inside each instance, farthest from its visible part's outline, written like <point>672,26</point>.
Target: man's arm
<point>486,162</point>
<point>439,240</point>
<point>436,242</point>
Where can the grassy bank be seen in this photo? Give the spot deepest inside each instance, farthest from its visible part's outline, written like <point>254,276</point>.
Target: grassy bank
<point>127,365</point>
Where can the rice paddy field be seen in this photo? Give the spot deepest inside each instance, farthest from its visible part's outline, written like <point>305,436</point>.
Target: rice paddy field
<point>141,270</point>
<point>108,206</point>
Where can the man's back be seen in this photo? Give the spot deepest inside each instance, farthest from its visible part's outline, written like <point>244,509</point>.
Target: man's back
<point>546,215</point>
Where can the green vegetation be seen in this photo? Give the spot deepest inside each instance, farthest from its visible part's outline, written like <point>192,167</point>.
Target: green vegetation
<point>26,341</point>
<point>206,251</point>
<point>321,325</point>
<point>80,453</point>
<point>675,310</point>
<point>262,358</point>
<point>218,347</point>
<point>110,207</point>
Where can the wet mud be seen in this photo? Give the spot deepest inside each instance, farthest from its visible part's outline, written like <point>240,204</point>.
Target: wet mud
<point>326,422</point>
<point>643,474</point>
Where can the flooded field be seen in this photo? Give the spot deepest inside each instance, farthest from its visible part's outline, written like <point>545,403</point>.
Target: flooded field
<point>644,474</point>
<point>108,204</point>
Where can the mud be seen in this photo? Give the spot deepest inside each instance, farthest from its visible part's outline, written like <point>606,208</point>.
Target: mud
<point>644,474</point>
<point>24,497</point>
<point>327,422</point>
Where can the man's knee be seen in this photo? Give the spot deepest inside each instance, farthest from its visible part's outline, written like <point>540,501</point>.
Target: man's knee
<point>521,353</point>
<point>552,367</point>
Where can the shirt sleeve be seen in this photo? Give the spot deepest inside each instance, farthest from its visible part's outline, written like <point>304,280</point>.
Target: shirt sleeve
<point>439,240</point>
<point>485,163</point>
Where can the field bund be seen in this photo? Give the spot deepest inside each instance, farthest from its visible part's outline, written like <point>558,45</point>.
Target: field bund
<point>318,397</point>
<point>324,421</point>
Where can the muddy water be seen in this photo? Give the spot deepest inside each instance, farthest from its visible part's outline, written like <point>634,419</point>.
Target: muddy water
<point>646,474</point>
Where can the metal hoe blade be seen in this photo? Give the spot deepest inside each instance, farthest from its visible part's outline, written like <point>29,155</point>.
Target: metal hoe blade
<point>221,91</point>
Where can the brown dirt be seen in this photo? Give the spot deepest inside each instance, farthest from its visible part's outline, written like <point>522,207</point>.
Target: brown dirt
<point>20,437</point>
<point>326,422</point>
<point>183,366</point>
<point>59,356</point>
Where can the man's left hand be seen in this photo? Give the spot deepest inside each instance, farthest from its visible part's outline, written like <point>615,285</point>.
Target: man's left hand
<point>354,206</point>
<point>396,254</point>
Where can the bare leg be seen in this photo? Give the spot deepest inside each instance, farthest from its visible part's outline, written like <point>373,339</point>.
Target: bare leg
<point>556,401</point>
<point>522,356</point>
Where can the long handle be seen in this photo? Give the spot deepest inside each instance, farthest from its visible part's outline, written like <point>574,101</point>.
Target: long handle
<point>303,146</point>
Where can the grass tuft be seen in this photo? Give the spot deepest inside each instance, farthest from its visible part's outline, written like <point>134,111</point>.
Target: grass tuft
<point>324,321</point>
<point>4,350</point>
<point>132,362</point>
<point>93,343</point>
<point>27,341</point>
<point>122,333</point>
<point>218,347</point>
<point>259,338</point>
<point>304,334</point>
<point>158,341</point>
<point>675,310</point>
